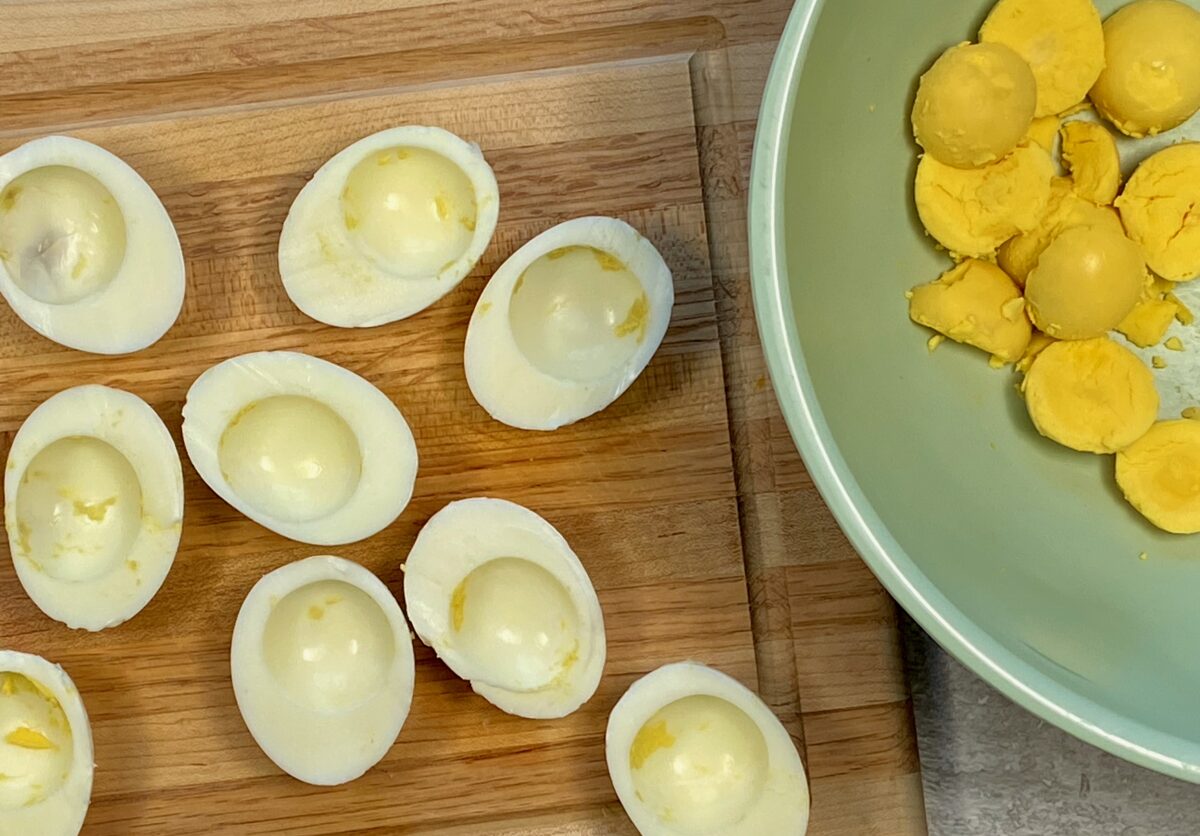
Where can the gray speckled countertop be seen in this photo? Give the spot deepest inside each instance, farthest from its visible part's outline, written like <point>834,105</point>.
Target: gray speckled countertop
<point>993,769</point>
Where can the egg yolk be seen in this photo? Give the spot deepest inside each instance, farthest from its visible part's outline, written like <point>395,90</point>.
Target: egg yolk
<point>62,235</point>
<point>1090,395</point>
<point>1090,153</point>
<point>579,313</point>
<point>1085,283</point>
<point>700,764</point>
<point>1061,39</point>
<point>974,104</point>
<point>36,744</point>
<point>291,457</point>
<point>977,304</point>
<point>1152,79</point>
<point>1160,475</point>
<point>516,624</point>
<point>411,211</point>
<point>329,646</point>
<point>1161,210</point>
<point>79,509</point>
<point>971,212</point>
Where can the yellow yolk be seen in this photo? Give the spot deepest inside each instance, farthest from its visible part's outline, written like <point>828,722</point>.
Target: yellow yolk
<point>1061,39</point>
<point>1089,152</point>
<point>1037,344</point>
<point>1161,211</point>
<point>971,212</point>
<point>977,304</point>
<point>1160,475</point>
<point>1043,131</point>
<point>1085,283</point>
<point>1152,79</point>
<point>1147,323</point>
<point>974,104</point>
<point>1090,395</point>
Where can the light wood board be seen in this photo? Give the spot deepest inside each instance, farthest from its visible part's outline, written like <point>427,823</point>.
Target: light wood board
<point>685,499</point>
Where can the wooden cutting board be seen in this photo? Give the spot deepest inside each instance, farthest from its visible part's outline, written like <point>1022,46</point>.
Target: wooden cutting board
<point>685,500</point>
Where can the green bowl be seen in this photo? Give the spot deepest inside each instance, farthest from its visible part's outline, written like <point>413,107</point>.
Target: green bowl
<point>1018,556</point>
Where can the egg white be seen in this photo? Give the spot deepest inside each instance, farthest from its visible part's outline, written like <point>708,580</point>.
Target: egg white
<point>93,592</point>
<point>144,296</point>
<point>542,579</point>
<point>387,453</point>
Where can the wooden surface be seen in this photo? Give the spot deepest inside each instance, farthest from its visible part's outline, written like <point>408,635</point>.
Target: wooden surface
<point>683,499</point>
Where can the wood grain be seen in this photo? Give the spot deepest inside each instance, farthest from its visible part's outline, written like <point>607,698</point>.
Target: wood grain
<point>686,500</point>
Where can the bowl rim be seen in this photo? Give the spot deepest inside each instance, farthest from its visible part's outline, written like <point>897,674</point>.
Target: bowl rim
<point>950,627</point>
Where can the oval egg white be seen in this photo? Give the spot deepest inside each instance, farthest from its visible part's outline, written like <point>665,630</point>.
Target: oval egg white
<point>692,751</point>
<point>322,666</point>
<point>45,749</point>
<point>89,257</point>
<point>301,446</point>
<point>567,323</point>
<point>93,505</point>
<point>389,225</point>
<point>502,599</point>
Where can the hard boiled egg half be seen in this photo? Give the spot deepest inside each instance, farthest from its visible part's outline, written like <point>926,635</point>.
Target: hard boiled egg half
<point>88,255</point>
<point>322,665</point>
<point>692,751</point>
<point>567,323</point>
<point>45,749</point>
<point>301,446</point>
<point>93,505</point>
<point>388,226</point>
<point>498,594</point>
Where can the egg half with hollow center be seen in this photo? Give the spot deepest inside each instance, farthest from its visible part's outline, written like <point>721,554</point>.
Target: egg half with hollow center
<point>301,446</point>
<point>45,749</point>
<point>88,255</point>
<point>692,751</point>
<point>93,505</point>
<point>388,226</point>
<point>502,599</point>
<point>322,665</point>
<point>567,323</point>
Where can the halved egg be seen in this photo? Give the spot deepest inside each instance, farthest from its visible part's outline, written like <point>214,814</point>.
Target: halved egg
<point>301,446</point>
<point>93,505</point>
<point>88,255</point>
<point>322,665</point>
<point>502,599</point>
<point>692,751</point>
<point>388,226</point>
<point>567,323</point>
<point>45,749</point>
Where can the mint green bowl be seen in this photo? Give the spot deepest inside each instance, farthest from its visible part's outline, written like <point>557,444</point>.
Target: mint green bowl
<point>1017,555</point>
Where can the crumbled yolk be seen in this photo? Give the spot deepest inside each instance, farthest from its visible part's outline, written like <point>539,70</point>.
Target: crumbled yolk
<point>636,321</point>
<point>27,738</point>
<point>977,304</point>
<point>1090,153</point>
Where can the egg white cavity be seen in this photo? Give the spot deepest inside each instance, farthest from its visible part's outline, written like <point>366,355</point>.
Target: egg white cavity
<point>498,594</point>
<point>45,749</point>
<point>691,751</point>
<point>93,505</point>
<point>567,323</point>
<point>323,669</point>
<point>301,446</point>
<point>88,255</point>
<point>388,226</point>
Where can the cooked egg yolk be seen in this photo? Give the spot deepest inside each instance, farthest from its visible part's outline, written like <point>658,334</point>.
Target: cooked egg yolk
<point>977,304</point>
<point>62,235</point>
<point>1090,153</point>
<point>700,764</point>
<point>515,623</point>
<point>329,645</point>
<point>79,509</point>
<point>578,313</point>
<point>1152,79</point>
<point>974,104</point>
<point>291,457</point>
<point>1147,323</point>
<point>1161,210</point>
<point>411,211</point>
<point>36,747</point>
<point>971,212</point>
<point>1160,475</point>
<point>1090,395</point>
<point>1085,283</point>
